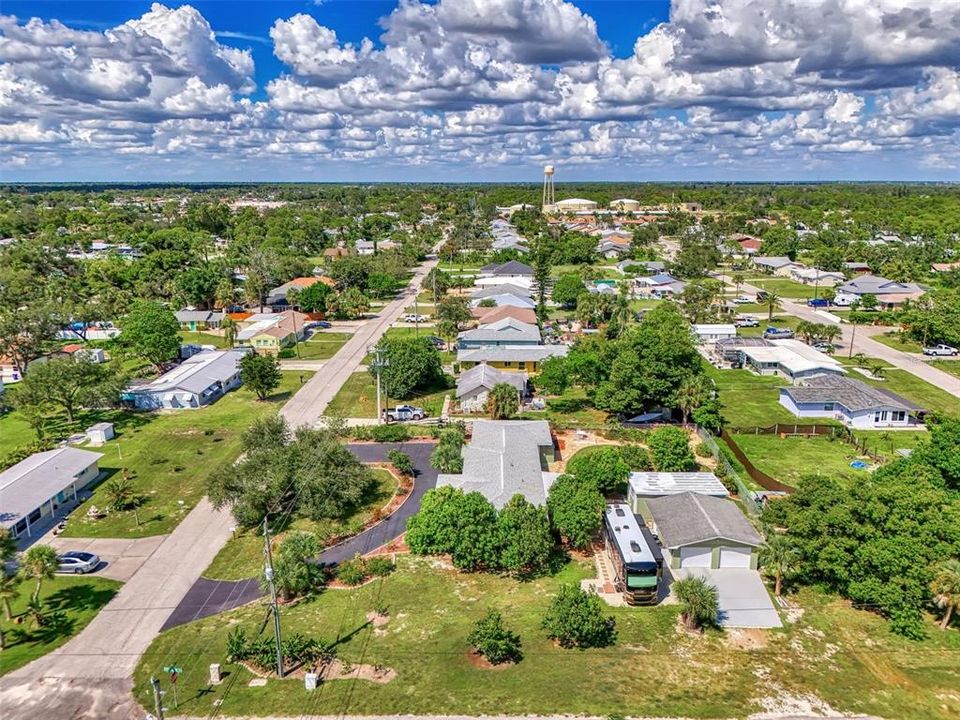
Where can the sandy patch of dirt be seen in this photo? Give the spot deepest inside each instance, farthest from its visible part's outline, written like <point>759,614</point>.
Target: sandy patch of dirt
<point>746,638</point>
<point>479,661</point>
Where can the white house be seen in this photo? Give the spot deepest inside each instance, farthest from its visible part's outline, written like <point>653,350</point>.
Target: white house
<point>815,276</point>
<point>889,293</point>
<point>790,359</point>
<point>474,385</point>
<point>707,333</point>
<point>197,381</point>
<point>852,402</point>
<point>659,286</point>
<point>36,487</point>
<point>778,265</point>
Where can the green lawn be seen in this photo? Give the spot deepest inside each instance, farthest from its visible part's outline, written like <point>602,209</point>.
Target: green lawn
<point>790,459</point>
<point>242,556</point>
<point>749,400</point>
<point>168,456</point>
<point>202,338</point>
<point>885,442</point>
<point>322,346</point>
<point>71,601</point>
<point>358,398</point>
<point>948,366</point>
<point>913,388</point>
<point>784,287</point>
<point>898,342</point>
<point>847,657</point>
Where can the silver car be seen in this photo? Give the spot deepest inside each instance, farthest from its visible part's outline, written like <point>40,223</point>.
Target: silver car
<point>78,562</point>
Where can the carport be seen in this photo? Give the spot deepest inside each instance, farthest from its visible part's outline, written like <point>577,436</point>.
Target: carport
<point>743,598</point>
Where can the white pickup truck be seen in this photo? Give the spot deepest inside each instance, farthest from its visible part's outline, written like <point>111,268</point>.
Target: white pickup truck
<point>940,349</point>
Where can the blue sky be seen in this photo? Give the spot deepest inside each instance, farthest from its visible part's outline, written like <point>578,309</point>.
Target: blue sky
<point>480,90</point>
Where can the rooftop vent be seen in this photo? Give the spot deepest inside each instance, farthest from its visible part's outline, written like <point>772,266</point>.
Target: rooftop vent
<point>619,512</point>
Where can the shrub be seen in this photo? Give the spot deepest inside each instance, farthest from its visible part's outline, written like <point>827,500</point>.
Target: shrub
<point>636,457</point>
<point>576,509</point>
<point>380,565</point>
<point>698,600</point>
<point>603,466</point>
<point>576,619</point>
<point>526,541</point>
<point>567,405</point>
<point>389,433</point>
<point>238,647</point>
<point>702,450</point>
<point>352,572</point>
<point>401,461</point>
<point>670,449</point>
<point>493,641</point>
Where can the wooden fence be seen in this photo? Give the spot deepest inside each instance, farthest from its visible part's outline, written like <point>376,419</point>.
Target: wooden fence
<point>758,476</point>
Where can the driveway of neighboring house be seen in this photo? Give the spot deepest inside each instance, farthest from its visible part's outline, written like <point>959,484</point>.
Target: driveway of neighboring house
<point>121,557</point>
<point>744,600</point>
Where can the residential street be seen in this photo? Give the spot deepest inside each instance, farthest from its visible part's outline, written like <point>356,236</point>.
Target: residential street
<point>109,648</point>
<point>862,342</point>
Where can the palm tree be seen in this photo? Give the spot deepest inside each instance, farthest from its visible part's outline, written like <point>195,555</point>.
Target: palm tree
<point>699,602</point>
<point>9,591</point>
<point>8,545</point>
<point>229,327</point>
<point>877,370</point>
<point>778,558</point>
<point>772,301</point>
<point>946,589</point>
<point>860,360</point>
<point>503,401</point>
<point>737,281</point>
<point>690,396</point>
<point>39,563</point>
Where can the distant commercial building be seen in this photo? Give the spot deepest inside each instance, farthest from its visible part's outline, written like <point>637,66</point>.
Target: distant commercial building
<point>624,205</point>
<point>575,205</point>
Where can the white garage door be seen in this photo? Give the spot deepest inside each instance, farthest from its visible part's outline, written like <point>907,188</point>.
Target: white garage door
<point>733,557</point>
<point>695,557</point>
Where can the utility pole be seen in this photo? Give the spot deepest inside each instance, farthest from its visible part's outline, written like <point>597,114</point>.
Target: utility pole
<point>416,316</point>
<point>273,597</point>
<point>157,697</point>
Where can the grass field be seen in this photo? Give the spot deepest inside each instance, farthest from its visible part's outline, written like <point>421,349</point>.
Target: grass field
<point>202,338</point>
<point>784,287</point>
<point>885,442</point>
<point>791,458</point>
<point>927,396</point>
<point>168,457</point>
<point>358,398</point>
<point>844,656</point>
<point>749,399</point>
<point>322,345</point>
<point>70,602</point>
<point>948,366</point>
<point>242,556</point>
<point>898,342</point>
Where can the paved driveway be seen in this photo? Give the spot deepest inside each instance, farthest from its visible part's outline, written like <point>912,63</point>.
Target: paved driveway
<point>744,600</point>
<point>121,557</point>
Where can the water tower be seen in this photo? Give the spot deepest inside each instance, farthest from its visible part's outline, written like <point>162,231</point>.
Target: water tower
<point>548,195</point>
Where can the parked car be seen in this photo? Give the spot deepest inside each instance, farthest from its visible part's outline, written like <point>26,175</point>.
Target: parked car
<point>818,302</point>
<point>824,347</point>
<point>317,324</point>
<point>403,413</point>
<point>438,342</point>
<point>762,295</point>
<point>743,300</point>
<point>414,318</point>
<point>940,349</point>
<point>324,324</point>
<point>746,322</point>
<point>78,562</point>
<point>775,333</point>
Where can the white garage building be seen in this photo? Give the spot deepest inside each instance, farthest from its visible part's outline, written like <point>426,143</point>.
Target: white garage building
<point>701,531</point>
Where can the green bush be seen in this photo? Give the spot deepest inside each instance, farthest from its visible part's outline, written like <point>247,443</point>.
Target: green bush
<point>380,565</point>
<point>637,458</point>
<point>238,646</point>
<point>401,461</point>
<point>352,572</point>
<point>287,353</point>
<point>567,405</point>
<point>493,641</point>
<point>389,433</point>
<point>702,450</point>
<point>577,619</point>
<point>603,466</point>
<point>670,450</point>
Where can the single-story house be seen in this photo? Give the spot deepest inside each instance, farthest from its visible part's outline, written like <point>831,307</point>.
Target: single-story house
<point>506,458</point>
<point>474,385</point>
<point>702,531</point>
<point>779,265</point>
<point>815,276</point>
<point>852,402</point>
<point>506,331</point>
<point>194,320</point>
<point>197,381</point>
<point>513,358</point>
<point>790,359</point>
<point>10,371</point>
<point>945,267</point>
<point>507,294</point>
<point>335,252</point>
<point>858,268</point>
<point>34,488</point>
<point>611,249</point>
<point>659,285</point>
<point>271,332</point>
<point>711,332</point>
<point>487,315</point>
<point>749,245</point>
<point>364,247</point>
<point>645,485</point>
<point>509,269</point>
<point>82,352</point>
<point>889,293</point>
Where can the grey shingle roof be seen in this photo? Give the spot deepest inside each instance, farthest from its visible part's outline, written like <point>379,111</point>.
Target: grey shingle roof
<point>33,481</point>
<point>691,518</point>
<point>503,330</point>
<point>876,285</point>
<point>484,376</point>
<point>511,267</point>
<point>852,394</point>
<point>504,289</point>
<point>773,261</point>
<point>512,353</point>
<point>197,373</point>
<point>503,459</point>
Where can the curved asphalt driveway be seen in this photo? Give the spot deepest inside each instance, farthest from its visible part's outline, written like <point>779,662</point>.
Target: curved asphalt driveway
<point>209,597</point>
